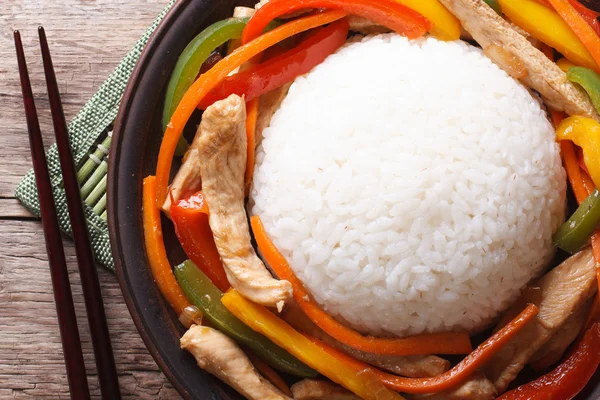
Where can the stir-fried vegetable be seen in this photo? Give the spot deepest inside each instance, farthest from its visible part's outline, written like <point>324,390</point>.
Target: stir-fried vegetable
<point>495,5</point>
<point>268,373</point>
<point>272,74</point>
<point>208,81</point>
<point>569,378</point>
<point>340,367</point>
<point>591,17</point>
<point>546,25</point>
<point>439,343</point>
<point>584,132</point>
<point>565,64</point>
<point>201,291</point>
<point>444,25</point>
<point>574,234</point>
<point>190,218</point>
<point>589,80</point>
<point>251,118</point>
<point>389,13</point>
<point>257,317</point>
<point>155,249</point>
<point>190,61</point>
<point>580,27</point>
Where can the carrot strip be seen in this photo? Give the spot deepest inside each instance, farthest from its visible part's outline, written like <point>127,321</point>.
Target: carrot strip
<point>436,343</point>
<point>251,117</point>
<point>580,27</point>
<point>209,80</point>
<point>573,170</point>
<point>155,249</point>
<point>455,376</point>
<point>268,373</point>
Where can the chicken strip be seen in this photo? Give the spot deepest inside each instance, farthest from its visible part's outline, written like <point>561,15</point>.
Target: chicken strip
<point>220,356</point>
<point>220,147</point>
<point>311,389</point>
<point>556,347</point>
<point>477,387</point>
<point>558,294</point>
<point>519,58</point>
<point>409,366</point>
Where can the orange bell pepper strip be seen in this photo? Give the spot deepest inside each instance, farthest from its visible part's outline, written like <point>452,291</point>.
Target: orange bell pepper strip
<point>569,378</point>
<point>545,24</point>
<point>337,365</point>
<point>268,324</point>
<point>578,24</point>
<point>155,249</point>
<point>251,117</point>
<point>389,13</point>
<point>436,343</point>
<point>190,218</point>
<point>209,80</point>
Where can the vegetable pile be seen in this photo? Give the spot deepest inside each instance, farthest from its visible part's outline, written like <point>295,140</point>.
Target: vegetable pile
<point>274,51</point>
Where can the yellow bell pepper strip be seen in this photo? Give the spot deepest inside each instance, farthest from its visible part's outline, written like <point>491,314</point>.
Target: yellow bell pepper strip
<point>445,26</point>
<point>257,317</point>
<point>565,64</point>
<point>589,81</point>
<point>580,27</point>
<point>438,343</point>
<point>209,80</point>
<point>585,133</point>
<point>155,249</point>
<point>546,25</point>
<point>338,366</point>
<point>389,13</point>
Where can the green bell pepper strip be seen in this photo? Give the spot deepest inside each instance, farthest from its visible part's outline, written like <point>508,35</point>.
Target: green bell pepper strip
<point>201,292</point>
<point>589,80</point>
<point>574,234</point>
<point>495,5</point>
<point>190,61</point>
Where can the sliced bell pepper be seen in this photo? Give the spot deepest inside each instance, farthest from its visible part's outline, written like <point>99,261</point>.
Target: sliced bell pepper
<point>565,64</point>
<point>207,297</point>
<point>438,343</point>
<point>251,118</point>
<point>190,61</point>
<point>388,13</point>
<point>589,81</point>
<point>444,25</point>
<point>578,24</point>
<point>155,250</point>
<point>257,317</point>
<point>190,217</point>
<point>569,378</point>
<point>590,16</point>
<point>546,25</point>
<point>584,132</point>
<point>209,80</point>
<point>343,369</point>
<point>495,6</point>
<point>272,74</point>
<point>574,234</point>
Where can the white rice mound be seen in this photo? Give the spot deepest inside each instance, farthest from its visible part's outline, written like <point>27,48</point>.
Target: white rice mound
<point>412,185</point>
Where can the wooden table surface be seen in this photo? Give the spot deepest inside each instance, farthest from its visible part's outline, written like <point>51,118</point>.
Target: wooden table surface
<point>87,39</point>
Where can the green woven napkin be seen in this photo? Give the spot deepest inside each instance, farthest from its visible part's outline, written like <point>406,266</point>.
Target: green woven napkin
<point>86,130</point>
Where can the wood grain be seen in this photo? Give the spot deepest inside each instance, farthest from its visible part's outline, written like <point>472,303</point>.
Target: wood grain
<point>87,39</point>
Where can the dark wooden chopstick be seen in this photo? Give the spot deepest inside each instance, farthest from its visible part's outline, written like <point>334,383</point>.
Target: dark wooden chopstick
<point>105,362</point>
<point>63,297</point>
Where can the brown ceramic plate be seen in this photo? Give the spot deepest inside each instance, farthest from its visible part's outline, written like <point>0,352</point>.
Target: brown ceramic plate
<point>133,156</point>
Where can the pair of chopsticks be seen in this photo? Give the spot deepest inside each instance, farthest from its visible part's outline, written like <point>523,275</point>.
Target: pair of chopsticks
<point>71,343</point>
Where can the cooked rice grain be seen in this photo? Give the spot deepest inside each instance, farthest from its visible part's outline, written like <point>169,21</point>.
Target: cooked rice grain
<point>412,185</point>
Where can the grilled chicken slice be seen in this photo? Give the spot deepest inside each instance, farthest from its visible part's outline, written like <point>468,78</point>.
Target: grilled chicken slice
<point>555,348</point>
<point>366,26</point>
<point>312,389</point>
<point>477,387</point>
<point>519,58</point>
<point>220,148</point>
<point>219,355</point>
<point>558,294</point>
<point>409,366</point>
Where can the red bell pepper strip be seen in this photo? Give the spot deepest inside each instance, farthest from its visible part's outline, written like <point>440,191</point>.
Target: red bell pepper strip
<point>190,217</point>
<point>278,71</point>
<point>569,378</point>
<point>389,13</point>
